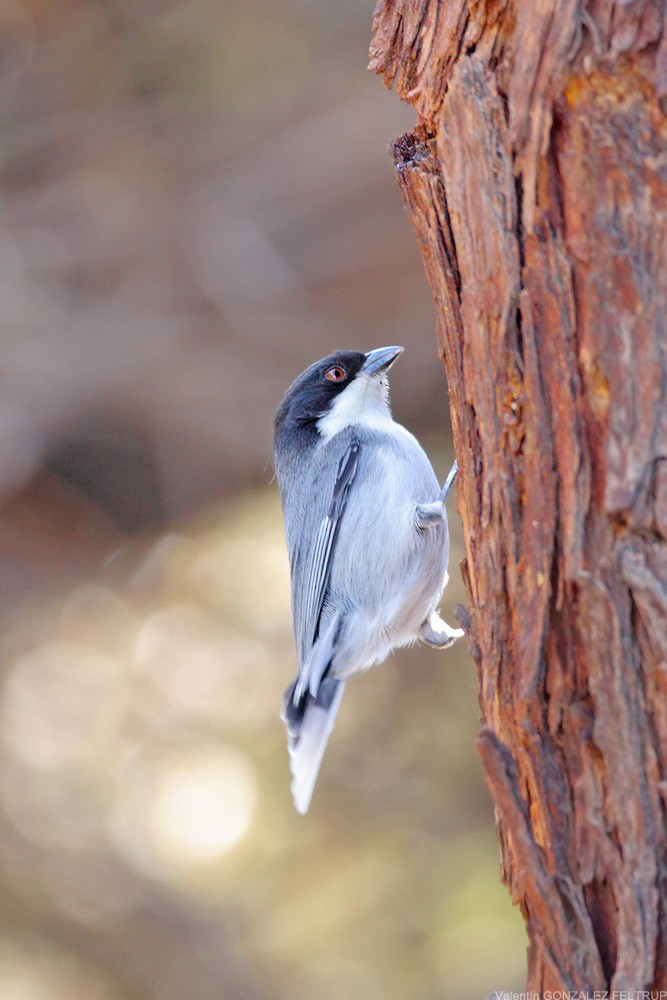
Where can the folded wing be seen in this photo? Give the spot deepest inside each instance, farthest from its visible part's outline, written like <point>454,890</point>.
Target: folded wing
<point>312,701</point>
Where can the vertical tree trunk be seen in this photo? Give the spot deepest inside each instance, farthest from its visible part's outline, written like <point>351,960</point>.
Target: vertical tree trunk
<point>536,182</point>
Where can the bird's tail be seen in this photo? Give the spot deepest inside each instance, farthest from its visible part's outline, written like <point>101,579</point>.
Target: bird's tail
<point>309,724</point>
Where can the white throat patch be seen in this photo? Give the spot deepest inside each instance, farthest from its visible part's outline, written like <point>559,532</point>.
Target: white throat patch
<point>363,401</point>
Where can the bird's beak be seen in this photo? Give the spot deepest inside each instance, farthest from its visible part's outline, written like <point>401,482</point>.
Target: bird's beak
<point>380,359</point>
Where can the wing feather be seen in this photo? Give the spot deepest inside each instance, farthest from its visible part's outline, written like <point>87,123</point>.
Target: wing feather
<point>312,576</point>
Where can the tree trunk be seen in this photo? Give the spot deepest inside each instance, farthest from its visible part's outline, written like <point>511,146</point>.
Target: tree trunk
<point>536,182</point>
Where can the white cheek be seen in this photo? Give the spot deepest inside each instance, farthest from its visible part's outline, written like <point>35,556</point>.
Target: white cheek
<point>363,402</point>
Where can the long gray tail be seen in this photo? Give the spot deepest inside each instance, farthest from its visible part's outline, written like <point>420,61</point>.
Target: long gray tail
<point>309,726</point>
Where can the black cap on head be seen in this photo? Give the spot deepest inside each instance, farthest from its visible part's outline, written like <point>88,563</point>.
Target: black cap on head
<point>314,392</point>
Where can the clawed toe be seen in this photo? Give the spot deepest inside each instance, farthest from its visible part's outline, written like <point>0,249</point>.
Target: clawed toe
<point>436,632</point>
<point>428,515</point>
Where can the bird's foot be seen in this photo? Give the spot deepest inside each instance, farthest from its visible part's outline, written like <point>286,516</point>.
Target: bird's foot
<point>449,482</point>
<point>436,632</point>
<point>428,515</point>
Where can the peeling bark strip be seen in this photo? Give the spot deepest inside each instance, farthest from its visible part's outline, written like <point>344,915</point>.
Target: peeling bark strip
<point>536,183</point>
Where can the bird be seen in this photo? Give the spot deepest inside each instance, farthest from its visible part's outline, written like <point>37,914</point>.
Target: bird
<point>367,538</point>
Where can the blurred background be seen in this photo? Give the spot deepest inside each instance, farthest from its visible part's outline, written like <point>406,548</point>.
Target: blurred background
<point>197,203</point>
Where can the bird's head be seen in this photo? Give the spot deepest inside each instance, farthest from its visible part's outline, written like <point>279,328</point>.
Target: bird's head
<point>345,388</point>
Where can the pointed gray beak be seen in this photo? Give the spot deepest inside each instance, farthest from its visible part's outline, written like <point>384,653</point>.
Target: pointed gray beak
<point>380,359</point>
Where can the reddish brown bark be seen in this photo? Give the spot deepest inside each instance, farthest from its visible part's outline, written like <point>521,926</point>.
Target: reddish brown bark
<point>536,182</point>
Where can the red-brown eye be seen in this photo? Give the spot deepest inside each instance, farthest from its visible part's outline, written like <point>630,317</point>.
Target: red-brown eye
<point>336,374</point>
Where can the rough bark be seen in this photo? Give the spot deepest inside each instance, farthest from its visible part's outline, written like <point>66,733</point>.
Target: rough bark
<point>536,183</point>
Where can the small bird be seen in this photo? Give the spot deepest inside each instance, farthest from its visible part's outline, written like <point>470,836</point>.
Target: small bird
<point>367,536</point>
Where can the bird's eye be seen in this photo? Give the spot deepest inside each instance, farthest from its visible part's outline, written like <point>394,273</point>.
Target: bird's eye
<point>336,374</point>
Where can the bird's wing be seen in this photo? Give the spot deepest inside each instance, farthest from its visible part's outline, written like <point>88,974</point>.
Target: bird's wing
<point>315,636</point>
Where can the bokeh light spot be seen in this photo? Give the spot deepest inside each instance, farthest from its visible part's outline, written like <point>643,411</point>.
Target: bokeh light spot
<point>60,702</point>
<point>184,809</point>
<point>32,969</point>
<point>203,668</point>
